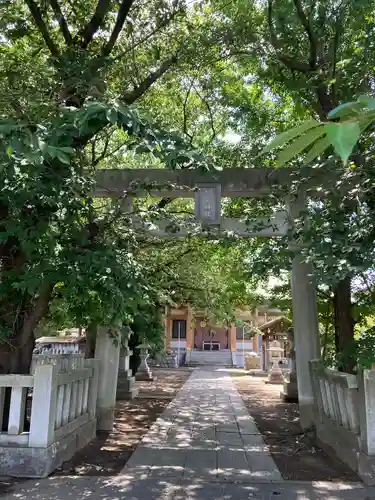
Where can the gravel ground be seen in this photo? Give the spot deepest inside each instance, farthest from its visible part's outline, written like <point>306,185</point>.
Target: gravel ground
<point>295,453</point>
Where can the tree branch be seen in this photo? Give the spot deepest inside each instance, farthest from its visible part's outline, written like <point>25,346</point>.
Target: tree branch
<point>175,259</point>
<point>185,126</point>
<point>147,82</point>
<point>88,32</point>
<point>37,312</point>
<point>335,45</point>
<point>289,61</point>
<point>160,26</point>
<point>310,33</point>
<point>62,22</point>
<point>42,27</point>
<point>205,102</point>
<point>121,18</point>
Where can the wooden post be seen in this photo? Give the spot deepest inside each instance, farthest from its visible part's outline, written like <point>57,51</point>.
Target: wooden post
<point>168,329</point>
<point>43,411</point>
<point>233,338</point>
<point>189,330</point>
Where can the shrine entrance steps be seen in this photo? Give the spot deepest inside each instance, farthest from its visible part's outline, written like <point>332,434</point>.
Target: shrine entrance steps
<point>221,358</point>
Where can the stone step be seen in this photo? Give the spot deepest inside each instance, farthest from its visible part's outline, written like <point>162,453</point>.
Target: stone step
<point>211,358</point>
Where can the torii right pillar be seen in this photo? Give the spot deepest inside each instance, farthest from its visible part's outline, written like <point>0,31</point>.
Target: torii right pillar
<point>305,323</point>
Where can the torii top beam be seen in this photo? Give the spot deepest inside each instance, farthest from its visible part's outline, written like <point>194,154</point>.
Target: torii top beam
<point>246,182</point>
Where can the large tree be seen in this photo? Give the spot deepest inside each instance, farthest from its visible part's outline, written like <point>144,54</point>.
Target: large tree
<point>306,57</point>
<point>59,57</point>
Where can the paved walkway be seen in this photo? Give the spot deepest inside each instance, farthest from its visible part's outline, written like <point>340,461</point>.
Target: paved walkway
<point>205,446</point>
<point>205,433</point>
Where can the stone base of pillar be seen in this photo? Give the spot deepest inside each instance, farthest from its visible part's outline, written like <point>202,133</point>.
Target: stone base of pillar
<point>276,375</point>
<point>306,413</point>
<point>144,376</point>
<point>289,394</point>
<point>105,418</point>
<point>126,388</point>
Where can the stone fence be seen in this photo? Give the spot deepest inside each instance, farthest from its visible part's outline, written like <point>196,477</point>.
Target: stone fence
<point>64,362</point>
<point>162,360</point>
<point>345,417</point>
<point>52,415</point>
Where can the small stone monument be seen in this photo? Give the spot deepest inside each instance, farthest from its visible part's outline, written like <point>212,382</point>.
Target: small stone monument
<point>144,372</point>
<point>126,388</point>
<point>275,353</point>
<point>290,389</point>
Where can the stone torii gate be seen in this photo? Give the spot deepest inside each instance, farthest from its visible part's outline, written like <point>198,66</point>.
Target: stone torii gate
<point>208,189</point>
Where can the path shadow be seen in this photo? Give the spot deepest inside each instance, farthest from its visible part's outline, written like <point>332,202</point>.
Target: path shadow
<point>122,487</point>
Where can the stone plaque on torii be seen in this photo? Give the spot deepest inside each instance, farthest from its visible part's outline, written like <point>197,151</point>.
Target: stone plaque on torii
<point>207,189</point>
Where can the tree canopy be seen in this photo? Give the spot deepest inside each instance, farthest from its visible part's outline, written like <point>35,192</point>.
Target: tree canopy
<point>205,85</point>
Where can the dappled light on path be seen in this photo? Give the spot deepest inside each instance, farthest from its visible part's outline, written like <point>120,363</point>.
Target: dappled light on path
<point>205,446</point>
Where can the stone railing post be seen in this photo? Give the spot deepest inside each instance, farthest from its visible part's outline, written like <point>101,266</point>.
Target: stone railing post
<point>366,407</point>
<point>43,411</point>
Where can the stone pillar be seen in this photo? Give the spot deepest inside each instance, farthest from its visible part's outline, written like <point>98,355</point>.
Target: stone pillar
<point>107,351</point>
<point>305,324</point>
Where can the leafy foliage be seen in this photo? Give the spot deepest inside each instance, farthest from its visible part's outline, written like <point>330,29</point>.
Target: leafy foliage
<point>354,119</point>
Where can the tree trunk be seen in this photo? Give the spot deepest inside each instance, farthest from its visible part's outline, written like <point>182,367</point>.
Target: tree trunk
<point>16,350</point>
<point>15,357</point>
<point>344,326</point>
<point>91,333</point>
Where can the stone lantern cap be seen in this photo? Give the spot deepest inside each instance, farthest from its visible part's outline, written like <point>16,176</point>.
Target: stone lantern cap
<point>143,346</point>
<point>275,346</point>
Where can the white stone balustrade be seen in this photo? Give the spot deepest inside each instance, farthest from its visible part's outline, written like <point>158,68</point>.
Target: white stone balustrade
<point>345,416</point>
<point>64,362</point>
<point>62,418</point>
<point>14,431</point>
<point>337,396</point>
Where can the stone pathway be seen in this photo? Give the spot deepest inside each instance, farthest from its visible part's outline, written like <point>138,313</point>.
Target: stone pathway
<point>205,446</point>
<point>205,433</point>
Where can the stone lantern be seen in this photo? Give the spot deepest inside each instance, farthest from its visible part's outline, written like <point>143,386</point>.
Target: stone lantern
<point>290,389</point>
<point>126,388</point>
<point>144,373</point>
<point>275,353</point>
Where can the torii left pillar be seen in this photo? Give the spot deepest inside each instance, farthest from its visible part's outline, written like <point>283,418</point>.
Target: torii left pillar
<point>107,351</point>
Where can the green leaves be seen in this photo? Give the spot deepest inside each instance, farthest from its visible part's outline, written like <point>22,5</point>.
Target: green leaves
<point>354,118</point>
<point>343,137</point>
<point>287,136</point>
<point>299,145</point>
